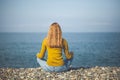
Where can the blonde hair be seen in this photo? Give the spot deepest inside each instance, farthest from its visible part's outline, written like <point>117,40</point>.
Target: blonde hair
<point>54,37</point>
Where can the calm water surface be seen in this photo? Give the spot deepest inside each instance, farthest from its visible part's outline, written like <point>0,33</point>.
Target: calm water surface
<point>18,50</point>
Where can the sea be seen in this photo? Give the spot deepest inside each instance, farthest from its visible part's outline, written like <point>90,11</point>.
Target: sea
<point>18,50</point>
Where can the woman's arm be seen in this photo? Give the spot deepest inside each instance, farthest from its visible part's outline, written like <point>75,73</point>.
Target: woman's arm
<point>42,51</point>
<point>68,54</point>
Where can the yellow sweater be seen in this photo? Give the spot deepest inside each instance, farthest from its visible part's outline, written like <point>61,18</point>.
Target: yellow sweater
<point>54,57</point>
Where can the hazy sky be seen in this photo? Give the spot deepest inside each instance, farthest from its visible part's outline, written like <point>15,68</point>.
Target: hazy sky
<point>72,15</point>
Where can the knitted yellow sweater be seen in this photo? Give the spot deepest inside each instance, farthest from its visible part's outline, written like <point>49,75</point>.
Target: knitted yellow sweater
<point>54,57</point>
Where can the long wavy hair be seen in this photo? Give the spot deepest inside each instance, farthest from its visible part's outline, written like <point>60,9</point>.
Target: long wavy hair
<point>54,37</point>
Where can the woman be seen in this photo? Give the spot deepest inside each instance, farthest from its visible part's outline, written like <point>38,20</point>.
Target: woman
<point>54,44</point>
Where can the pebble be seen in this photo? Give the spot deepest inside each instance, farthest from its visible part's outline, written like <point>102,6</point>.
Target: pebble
<point>93,73</point>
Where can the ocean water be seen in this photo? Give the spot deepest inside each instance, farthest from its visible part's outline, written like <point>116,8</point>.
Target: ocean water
<point>18,50</point>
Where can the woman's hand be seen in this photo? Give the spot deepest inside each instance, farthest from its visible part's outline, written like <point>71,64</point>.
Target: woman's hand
<point>37,55</point>
<point>71,53</point>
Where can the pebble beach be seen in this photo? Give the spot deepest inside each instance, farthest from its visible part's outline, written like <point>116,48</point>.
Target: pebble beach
<point>93,73</point>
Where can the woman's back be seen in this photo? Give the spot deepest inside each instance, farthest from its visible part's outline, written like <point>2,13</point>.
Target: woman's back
<point>55,57</point>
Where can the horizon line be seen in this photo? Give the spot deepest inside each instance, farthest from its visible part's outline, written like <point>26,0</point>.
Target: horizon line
<point>69,32</point>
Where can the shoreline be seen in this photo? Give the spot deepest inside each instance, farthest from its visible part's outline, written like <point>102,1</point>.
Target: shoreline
<point>93,73</point>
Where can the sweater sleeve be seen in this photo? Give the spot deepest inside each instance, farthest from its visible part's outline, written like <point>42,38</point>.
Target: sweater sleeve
<point>42,51</point>
<point>66,50</point>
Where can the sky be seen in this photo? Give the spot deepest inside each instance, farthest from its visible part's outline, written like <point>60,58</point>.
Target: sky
<point>72,15</point>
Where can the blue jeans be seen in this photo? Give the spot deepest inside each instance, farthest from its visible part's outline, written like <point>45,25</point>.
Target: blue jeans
<point>46,67</point>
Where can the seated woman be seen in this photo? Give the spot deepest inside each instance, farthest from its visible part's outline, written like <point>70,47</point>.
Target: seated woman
<point>54,44</point>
